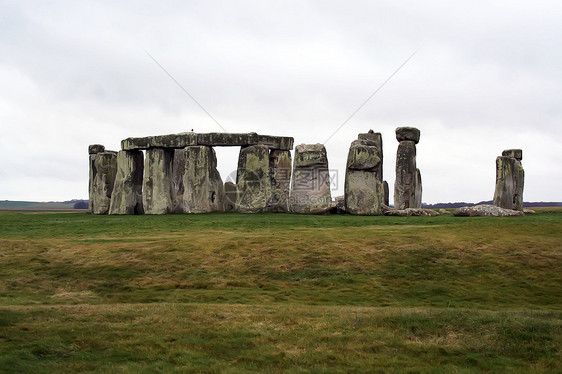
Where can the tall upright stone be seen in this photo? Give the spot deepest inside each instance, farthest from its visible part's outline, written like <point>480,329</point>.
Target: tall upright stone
<point>127,190</point>
<point>364,187</point>
<point>178,171</point>
<point>280,177</point>
<point>231,196</point>
<point>510,180</point>
<point>408,185</point>
<point>253,179</point>
<point>104,170</point>
<point>310,186</point>
<point>157,181</point>
<point>202,183</point>
<point>93,150</point>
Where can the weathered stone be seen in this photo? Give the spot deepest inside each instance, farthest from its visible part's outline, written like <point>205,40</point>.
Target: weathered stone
<point>127,190</point>
<point>372,136</point>
<point>157,181</point>
<point>186,139</point>
<point>95,148</point>
<point>203,187</point>
<point>280,177</point>
<point>515,153</point>
<point>528,211</point>
<point>364,187</point>
<point>408,133</point>
<point>411,212</point>
<point>376,138</point>
<point>362,156</point>
<point>103,178</point>
<point>364,193</point>
<point>180,140</point>
<point>386,193</point>
<point>227,139</point>
<point>340,204</point>
<point>486,211</point>
<point>253,179</point>
<point>178,170</point>
<point>407,186</point>
<point>231,196</point>
<point>446,212</point>
<point>91,177</point>
<point>510,179</point>
<point>284,143</point>
<point>310,186</point>
<point>310,155</point>
<point>418,190</point>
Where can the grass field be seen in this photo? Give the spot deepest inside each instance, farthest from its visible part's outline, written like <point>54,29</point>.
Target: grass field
<point>280,293</point>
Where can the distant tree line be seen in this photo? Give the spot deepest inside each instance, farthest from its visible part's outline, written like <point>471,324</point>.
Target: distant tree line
<point>79,204</point>
<point>531,204</point>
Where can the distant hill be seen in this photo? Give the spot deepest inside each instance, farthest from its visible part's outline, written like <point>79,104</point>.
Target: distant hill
<point>49,205</point>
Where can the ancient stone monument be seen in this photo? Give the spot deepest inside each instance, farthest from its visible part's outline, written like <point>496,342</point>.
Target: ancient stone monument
<point>365,191</point>
<point>510,178</point>
<point>179,175</point>
<point>408,184</point>
<point>310,188</point>
<point>203,191</point>
<point>103,169</point>
<point>252,179</point>
<point>126,197</point>
<point>280,177</point>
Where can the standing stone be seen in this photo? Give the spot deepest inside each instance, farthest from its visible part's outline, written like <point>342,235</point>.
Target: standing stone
<point>202,183</point>
<point>364,187</point>
<point>93,150</point>
<point>407,186</point>
<point>376,138</point>
<point>157,182</point>
<point>231,196</point>
<point>310,187</point>
<point>253,179</point>
<point>280,176</point>
<point>104,171</point>
<point>386,193</point>
<point>127,190</point>
<point>510,180</point>
<point>178,170</point>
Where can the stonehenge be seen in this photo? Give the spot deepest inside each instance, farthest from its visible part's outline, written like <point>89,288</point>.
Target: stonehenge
<point>203,191</point>
<point>103,170</point>
<point>408,185</point>
<point>310,187</point>
<point>365,192</point>
<point>126,197</point>
<point>510,179</point>
<point>177,173</point>
<point>157,181</point>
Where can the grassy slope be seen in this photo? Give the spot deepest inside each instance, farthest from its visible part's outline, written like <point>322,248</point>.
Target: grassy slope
<point>279,292</point>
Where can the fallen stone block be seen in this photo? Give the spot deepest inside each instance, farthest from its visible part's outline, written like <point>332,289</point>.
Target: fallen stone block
<point>486,210</point>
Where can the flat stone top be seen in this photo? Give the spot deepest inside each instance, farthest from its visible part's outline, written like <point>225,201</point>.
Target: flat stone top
<point>408,133</point>
<point>95,148</point>
<point>310,154</point>
<point>221,139</point>
<point>515,153</point>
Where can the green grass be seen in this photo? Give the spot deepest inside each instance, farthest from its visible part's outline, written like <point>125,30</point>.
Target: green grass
<point>280,293</point>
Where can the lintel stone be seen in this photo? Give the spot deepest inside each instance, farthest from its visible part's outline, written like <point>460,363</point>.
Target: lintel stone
<point>186,139</point>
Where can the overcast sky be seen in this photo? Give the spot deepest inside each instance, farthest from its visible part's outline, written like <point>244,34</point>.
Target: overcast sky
<point>487,76</point>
